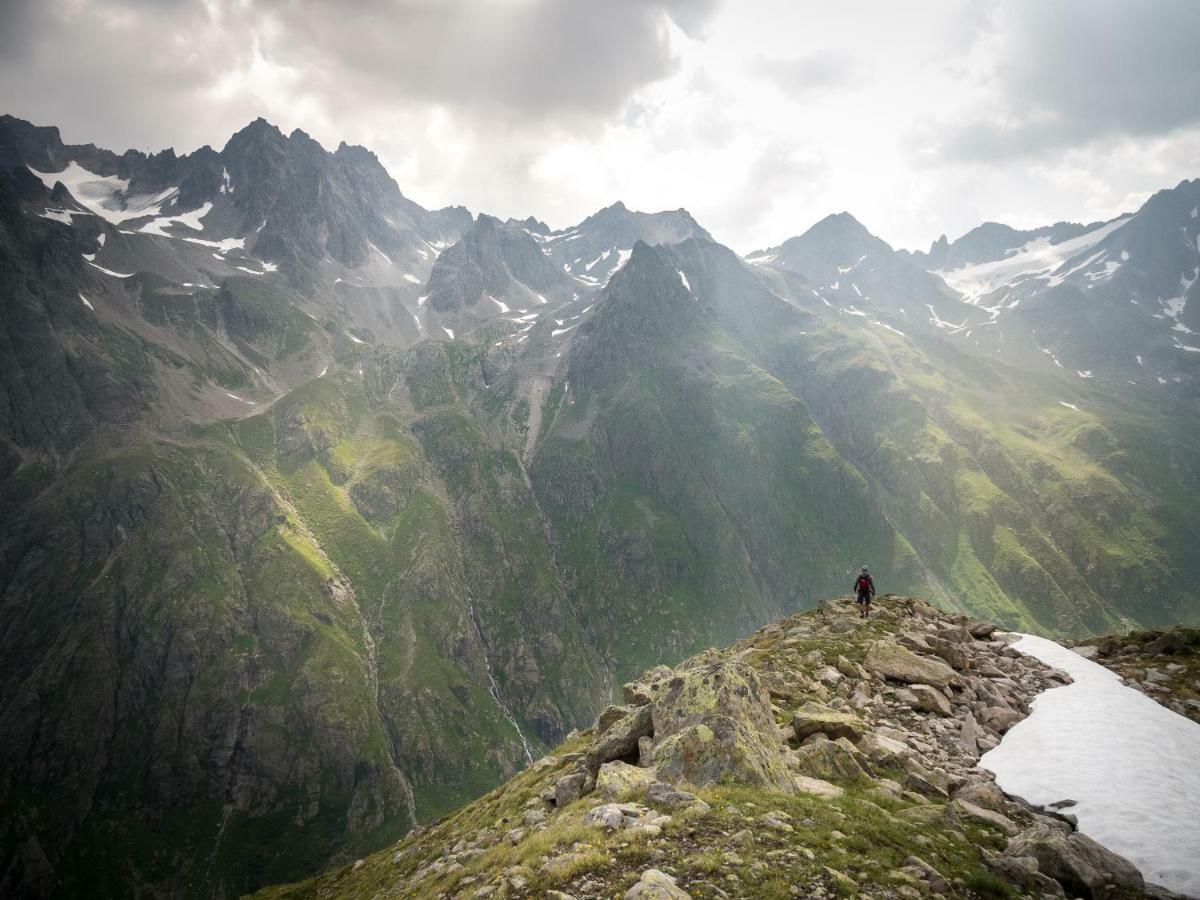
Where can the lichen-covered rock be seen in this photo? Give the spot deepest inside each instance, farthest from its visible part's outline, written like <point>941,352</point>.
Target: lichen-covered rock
<point>656,885</point>
<point>900,664</point>
<point>713,723</point>
<point>816,718</point>
<point>610,716</point>
<point>828,759</point>
<point>617,779</point>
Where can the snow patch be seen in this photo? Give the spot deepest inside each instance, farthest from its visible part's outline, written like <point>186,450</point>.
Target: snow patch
<point>684,280</point>
<point>386,258</point>
<point>942,323</point>
<point>60,215</point>
<point>1068,405</point>
<point>449,332</point>
<point>87,302</point>
<point>1086,373</point>
<point>1129,762</point>
<point>1050,353</point>
<point>421,300</point>
<point>408,276</point>
<point>500,303</point>
<point>104,195</point>
<point>353,338</point>
<point>110,271</point>
<point>240,399</point>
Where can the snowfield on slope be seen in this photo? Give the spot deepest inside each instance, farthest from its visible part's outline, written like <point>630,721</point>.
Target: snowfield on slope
<point>1035,257</point>
<point>1128,762</point>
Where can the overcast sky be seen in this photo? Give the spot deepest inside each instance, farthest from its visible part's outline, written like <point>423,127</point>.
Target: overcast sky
<point>759,116</point>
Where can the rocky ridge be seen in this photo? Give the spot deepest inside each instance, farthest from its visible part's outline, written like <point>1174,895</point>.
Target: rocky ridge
<point>1163,664</point>
<point>821,756</point>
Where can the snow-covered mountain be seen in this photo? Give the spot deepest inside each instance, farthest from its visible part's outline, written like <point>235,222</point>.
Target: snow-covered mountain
<point>1114,301</point>
<point>593,250</point>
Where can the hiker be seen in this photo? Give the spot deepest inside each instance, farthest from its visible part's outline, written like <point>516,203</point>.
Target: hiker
<point>865,588</point>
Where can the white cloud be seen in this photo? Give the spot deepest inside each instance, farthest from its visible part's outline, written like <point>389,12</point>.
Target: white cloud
<point>759,117</point>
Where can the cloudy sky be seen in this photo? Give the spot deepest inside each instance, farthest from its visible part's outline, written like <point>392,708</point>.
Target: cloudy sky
<point>759,116</point>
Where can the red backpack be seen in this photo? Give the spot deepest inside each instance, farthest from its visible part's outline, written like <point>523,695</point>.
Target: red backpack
<point>864,584</point>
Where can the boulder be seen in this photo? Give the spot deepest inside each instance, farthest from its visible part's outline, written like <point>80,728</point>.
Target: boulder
<point>968,736</point>
<point>617,780</point>
<point>1083,867</point>
<point>930,699</point>
<point>983,793</point>
<point>569,788</point>
<point>967,810</point>
<point>714,723</point>
<point>610,716</point>
<point>898,664</point>
<point>999,718</point>
<point>816,718</point>
<point>662,794</point>
<point>817,787</point>
<point>656,885</point>
<point>981,631</point>
<point>1022,871</point>
<point>621,739</point>
<point>925,781</point>
<point>879,748</point>
<point>608,816</point>
<point>828,759</point>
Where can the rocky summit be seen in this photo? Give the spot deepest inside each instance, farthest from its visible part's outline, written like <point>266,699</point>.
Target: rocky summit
<point>822,756</point>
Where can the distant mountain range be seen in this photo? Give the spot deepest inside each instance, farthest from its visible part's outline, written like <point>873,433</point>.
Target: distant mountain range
<point>323,512</point>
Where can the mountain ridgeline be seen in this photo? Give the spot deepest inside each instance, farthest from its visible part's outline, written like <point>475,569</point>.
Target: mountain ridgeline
<point>324,513</point>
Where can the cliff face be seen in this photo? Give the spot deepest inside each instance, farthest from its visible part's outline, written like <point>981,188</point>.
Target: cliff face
<point>823,755</point>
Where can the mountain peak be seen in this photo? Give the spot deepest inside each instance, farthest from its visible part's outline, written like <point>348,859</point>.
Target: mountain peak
<point>258,130</point>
